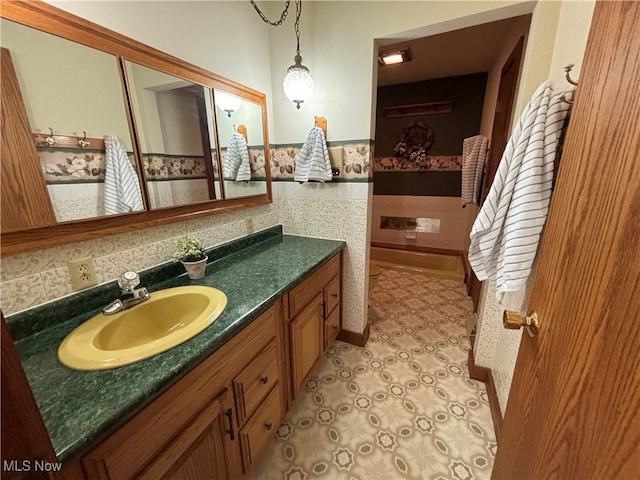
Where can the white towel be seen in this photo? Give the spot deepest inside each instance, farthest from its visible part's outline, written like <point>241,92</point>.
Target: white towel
<point>505,235</point>
<point>121,185</point>
<point>474,154</point>
<point>236,160</point>
<point>312,163</point>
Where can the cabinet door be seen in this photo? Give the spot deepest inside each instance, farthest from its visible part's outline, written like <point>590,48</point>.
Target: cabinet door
<point>201,449</point>
<point>331,328</point>
<point>306,335</point>
<point>255,435</point>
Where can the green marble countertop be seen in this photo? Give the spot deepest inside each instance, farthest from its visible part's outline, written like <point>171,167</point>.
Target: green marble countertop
<point>82,408</point>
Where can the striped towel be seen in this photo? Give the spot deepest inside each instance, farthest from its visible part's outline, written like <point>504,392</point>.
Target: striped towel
<point>474,154</point>
<point>312,163</point>
<point>236,160</point>
<point>121,184</point>
<point>505,235</point>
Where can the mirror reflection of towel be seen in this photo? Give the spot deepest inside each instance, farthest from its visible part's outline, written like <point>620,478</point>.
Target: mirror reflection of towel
<point>236,160</point>
<point>121,186</point>
<point>312,163</point>
<point>474,153</point>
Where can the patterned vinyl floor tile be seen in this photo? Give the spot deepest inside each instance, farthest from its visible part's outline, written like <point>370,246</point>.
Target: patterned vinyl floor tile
<point>403,407</point>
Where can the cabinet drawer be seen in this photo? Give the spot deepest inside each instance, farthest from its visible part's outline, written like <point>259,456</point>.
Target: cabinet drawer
<point>253,384</point>
<point>255,435</point>
<point>332,294</point>
<point>300,295</point>
<point>331,328</point>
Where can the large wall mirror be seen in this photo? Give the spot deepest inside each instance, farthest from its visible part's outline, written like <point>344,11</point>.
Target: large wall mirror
<point>174,121</point>
<point>84,97</point>
<point>242,146</point>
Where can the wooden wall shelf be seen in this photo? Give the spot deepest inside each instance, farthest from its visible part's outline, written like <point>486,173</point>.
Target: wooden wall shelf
<point>417,109</point>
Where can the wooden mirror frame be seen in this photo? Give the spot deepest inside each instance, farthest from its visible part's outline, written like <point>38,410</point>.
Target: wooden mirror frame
<point>49,19</point>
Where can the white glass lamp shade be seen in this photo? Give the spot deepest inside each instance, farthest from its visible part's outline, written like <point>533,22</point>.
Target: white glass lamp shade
<point>298,84</point>
<point>227,102</point>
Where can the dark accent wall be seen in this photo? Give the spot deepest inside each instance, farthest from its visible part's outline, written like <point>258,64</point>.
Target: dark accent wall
<point>449,129</point>
<point>432,183</point>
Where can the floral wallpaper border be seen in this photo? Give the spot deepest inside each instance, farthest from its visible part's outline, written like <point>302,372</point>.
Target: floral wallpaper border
<point>70,165</point>
<point>356,160</point>
<point>451,163</point>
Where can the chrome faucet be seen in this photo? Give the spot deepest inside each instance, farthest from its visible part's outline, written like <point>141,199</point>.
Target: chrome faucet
<point>130,296</point>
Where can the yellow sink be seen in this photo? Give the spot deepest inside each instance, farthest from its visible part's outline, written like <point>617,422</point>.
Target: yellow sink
<point>169,318</point>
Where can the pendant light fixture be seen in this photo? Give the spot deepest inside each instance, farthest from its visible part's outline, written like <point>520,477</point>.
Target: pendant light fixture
<point>297,84</point>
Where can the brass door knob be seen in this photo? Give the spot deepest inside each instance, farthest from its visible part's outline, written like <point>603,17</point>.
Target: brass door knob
<point>514,321</point>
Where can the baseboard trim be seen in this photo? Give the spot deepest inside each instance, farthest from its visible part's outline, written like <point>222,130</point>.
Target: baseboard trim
<point>417,248</point>
<point>357,339</point>
<point>484,375</point>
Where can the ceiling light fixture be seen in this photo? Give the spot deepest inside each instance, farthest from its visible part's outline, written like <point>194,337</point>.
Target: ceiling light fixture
<point>394,57</point>
<point>297,84</point>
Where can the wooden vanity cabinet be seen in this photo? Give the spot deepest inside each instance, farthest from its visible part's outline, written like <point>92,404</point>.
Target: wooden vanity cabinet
<point>315,310</point>
<point>216,421</point>
<point>193,430</point>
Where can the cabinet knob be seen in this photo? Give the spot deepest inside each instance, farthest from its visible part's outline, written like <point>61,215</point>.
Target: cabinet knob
<point>264,380</point>
<point>334,295</point>
<point>268,425</point>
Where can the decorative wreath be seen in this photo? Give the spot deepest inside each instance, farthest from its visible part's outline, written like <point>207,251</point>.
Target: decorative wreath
<point>415,141</point>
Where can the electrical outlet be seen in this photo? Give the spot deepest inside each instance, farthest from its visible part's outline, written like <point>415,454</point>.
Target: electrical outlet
<point>336,157</point>
<point>83,273</point>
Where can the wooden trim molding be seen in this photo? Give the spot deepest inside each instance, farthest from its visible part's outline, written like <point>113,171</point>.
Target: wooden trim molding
<point>357,339</point>
<point>417,248</point>
<point>484,375</point>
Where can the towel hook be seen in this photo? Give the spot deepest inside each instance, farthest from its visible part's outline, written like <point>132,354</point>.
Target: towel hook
<point>50,140</point>
<point>83,142</point>
<point>567,74</point>
<point>321,122</point>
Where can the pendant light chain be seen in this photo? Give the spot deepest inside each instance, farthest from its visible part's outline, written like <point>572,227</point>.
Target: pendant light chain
<point>296,26</point>
<point>297,84</point>
<point>266,20</point>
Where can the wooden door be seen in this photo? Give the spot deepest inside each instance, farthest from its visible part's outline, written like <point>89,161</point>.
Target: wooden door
<point>502,117</point>
<point>574,407</point>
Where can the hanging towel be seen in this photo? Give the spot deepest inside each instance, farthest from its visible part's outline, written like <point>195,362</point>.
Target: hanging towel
<point>121,184</point>
<point>474,153</point>
<point>236,160</point>
<point>505,235</point>
<point>312,163</point>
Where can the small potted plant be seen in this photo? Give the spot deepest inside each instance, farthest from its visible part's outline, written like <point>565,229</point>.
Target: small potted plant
<point>190,252</point>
